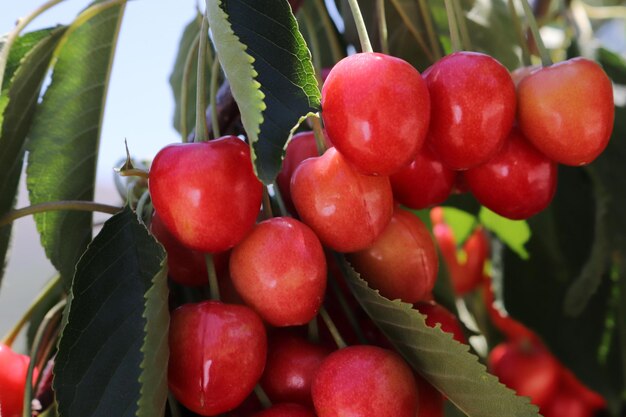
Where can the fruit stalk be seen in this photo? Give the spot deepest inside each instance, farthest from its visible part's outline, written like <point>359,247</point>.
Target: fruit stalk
<point>366,46</point>
<point>201,126</point>
<point>546,61</point>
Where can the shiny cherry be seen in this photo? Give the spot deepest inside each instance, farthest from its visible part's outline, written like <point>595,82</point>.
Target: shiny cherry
<point>364,381</point>
<point>517,183</point>
<point>345,208</point>
<point>13,370</point>
<point>473,108</point>
<point>438,314</point>
<point>376,111</point>
<point>402,262</point>
<point>424,182</point>
<point>206,193</point>
<point>279,269</point>
<point>571,125</point>
<point>286,410</point>
<point>217,355</point>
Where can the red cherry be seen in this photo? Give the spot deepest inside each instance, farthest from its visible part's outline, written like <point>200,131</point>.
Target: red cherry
<point>206,193</point>
<point>526,367</point>
<point>291,364</point>
<point>286,410</point>
<point>13,372</point>
<point>565,403</point>
<point>570,383</point>
<point>571,125</point>
<point>438,314</point>
<point>279,269</point>
<point>430,400</point>
<point>364,381</point>
<point>376,111</point>
<point>473,108</point>
<point>217,355</point>
<point>346,209</point>
<point>402,262</point>
<point>518,182</point>
<point>511,328</point>
<point>424,182</point>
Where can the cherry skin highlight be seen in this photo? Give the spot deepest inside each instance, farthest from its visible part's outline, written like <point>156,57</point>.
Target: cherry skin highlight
<point>347,210</point>
<point>518,182</point>
<point>13,370</point>
<point>217,355</point>
<point>376,111</point>
<point>473,108</point>
<point>279,269</point>
<point>570,125</point>
<point>206,193</point>
<point>402,262</point>
<point>364,381</point>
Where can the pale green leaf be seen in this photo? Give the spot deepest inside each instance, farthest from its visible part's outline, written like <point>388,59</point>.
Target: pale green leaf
<point>514,233</point>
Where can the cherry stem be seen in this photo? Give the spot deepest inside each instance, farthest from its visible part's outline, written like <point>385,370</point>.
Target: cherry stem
<point>201,126</point>
<point>408,22</point>
<point>546,61</point>
<point>319,134</point>
<point>455,39</point>
<point>334,332</point>
<point>141,204</point>
<point>262,396</point>
<point>519,31</point>
<point>343,303</point>
<point>71,205</point>
<point>267,204</point>
<point>184,86</point>
<point>462,25</point>
<point>134,172</point>
<point>173,406</point>
<point>382,26</point>
<point>214,287</point>
<point>313,331</point>
<point>366,46</point>
<point>335,48</point>
<point>435,45</point>
<point>215,72</point>
<point>41,297</point>
<point>282,209</point>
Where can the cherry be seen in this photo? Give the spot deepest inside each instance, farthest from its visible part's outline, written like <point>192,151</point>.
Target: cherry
<point>438,314</point>
<point>570,125</point>
<point>286,410</point>
<point>13,372</point>
<point>206,193</point>
<point>473,108</point>
<point>430,400</point>
<point>567,403</point>
<point>511,328</point>
<point>346,209</point>
<point>376,111</point>
<point>569,383</point>
<point>424,182</point>
<point>280,270</point>
<point>526,367</point>
<point>217,355</point>
<point>518,182</point>
<point>364,381</point>
<point>186,266</point>
<point>402,262</point>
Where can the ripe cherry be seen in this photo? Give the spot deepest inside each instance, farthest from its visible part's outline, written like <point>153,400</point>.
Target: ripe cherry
<point>526,367</point>
<point>291,363</point>
<point>518,182</point>
<point>376,111</point>
<point>473,108</point>
<point>346,209</point>
<point>13,372</point>
<point>364,381</point>
<point>402,262</point>
<point>286,410</point>
<point>424,182</point>
<point>570,125</point>
<point>217,355</point>
<point>206,193</point>
<point>430,400</point>
<point>279,269</point>
<point>438,314</point>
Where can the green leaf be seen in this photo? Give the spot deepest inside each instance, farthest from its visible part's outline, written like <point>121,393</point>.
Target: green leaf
<point>514,233</point>
<point>461,222</point>
<point>16,113</point>
<point>112,356</point>
<point>445,363</point>
<point>65,134</point>
<point>271,75</point>
<point>187,60</point>
<point>613,65</point>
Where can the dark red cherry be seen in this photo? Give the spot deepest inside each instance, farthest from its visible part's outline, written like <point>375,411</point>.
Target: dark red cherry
<point>438,314</point>
<point>286,410</point>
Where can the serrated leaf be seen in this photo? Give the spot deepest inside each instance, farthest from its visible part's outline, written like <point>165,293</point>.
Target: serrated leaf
<point>445,363</point>
<point>187,59</point>
<point>65,134</point>
<point>112,356</point>
<point>514,233</point>
<point>16,112</point>
<point>271,75</point>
